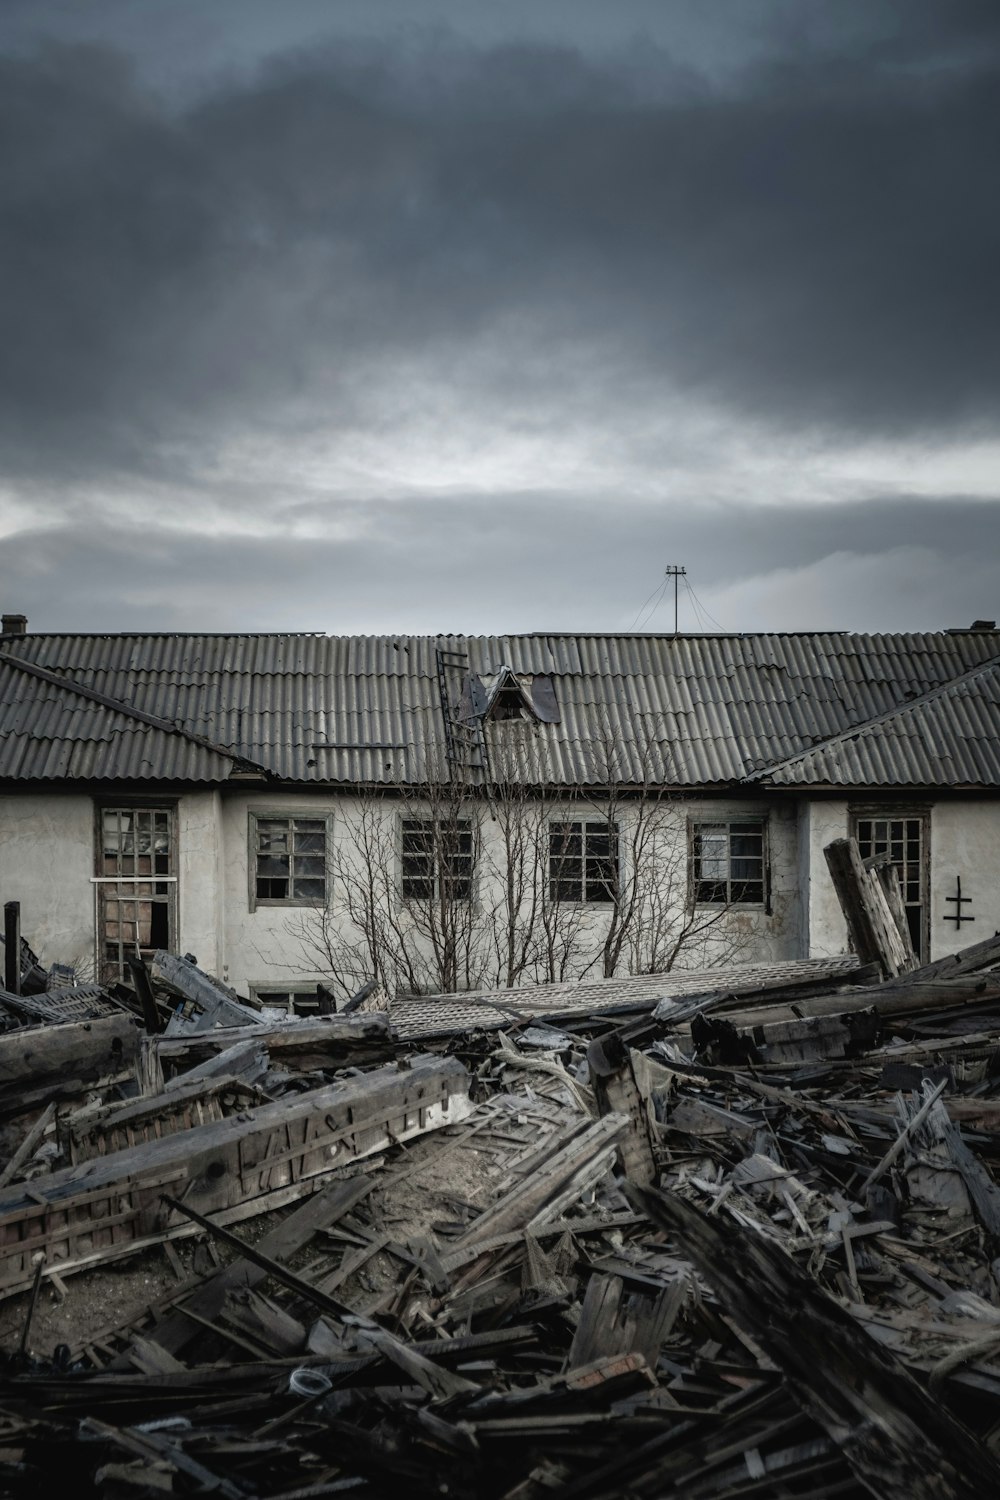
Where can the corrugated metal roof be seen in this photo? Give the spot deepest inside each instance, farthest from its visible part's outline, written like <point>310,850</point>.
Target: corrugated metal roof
<point>682,711</point>
<point>48,733</point>
<point>950,737</point>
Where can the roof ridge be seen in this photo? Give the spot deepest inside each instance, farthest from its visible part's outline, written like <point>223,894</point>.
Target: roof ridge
<point>531,635</point>
<point>152,721</point>
<point>940,691</point>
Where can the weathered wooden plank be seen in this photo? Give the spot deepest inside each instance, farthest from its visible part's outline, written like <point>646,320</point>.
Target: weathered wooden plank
<point>112,1204</point>
<point>246,1060</point>
<point>209,1003</point>
<point>900,1442</point>
<point>28,1146</point>
<point>12,947</point>
<point>66,1059</point>
<point>120,1127</point>
<point>368,1026</point>
<point>618,1091</point>
<point>871,923</point>
<point>977,956</point>
<point>584,1156</point>
<point>906,996</point>
<point>174,1331</point>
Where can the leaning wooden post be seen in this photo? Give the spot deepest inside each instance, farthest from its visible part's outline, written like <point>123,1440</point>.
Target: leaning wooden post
<point>875,937</point>
<point>12,947</point>
<point>887,876</point>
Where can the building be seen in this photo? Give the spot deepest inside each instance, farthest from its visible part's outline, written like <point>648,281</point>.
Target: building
<point>287,806</point>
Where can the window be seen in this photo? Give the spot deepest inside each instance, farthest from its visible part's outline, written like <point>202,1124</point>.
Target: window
<point>583,861</point>
<point>728,863</point>
<point>136,886</point>
<point>903,840</point>
<point>437,860</point>
<point>300,1000</point>
<point>289,858</point>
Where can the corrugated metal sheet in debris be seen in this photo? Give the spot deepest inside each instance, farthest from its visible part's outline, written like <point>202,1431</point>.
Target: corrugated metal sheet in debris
<point>951,738</point>
<point>432,1014</point>
<point>715,707</point>
<point>47,734</point>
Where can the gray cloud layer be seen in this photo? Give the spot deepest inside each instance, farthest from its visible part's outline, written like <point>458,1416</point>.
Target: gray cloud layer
<point>534,562</point>
<point>806,241</point>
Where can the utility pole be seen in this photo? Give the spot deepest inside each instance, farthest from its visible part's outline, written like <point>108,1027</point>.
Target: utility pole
<point>675,574</point>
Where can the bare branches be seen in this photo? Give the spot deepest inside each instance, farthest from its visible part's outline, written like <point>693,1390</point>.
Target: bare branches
<point>455,886</point>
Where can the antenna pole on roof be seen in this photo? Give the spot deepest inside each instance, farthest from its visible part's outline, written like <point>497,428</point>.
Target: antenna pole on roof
<point>675,574</point>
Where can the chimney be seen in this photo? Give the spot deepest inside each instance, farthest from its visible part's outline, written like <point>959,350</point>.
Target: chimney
<point>13,625</point>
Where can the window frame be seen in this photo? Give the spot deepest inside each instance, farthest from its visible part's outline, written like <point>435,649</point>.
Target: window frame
<point>471,823</point>
<point>606,825</point>
<point>256,815</point>
<point>699,822</point>
<point>263,990</point>
<point>170,899</point>
<point>874,812</point>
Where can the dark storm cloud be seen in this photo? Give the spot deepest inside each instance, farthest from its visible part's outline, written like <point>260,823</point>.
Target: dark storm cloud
<point>815,244</point>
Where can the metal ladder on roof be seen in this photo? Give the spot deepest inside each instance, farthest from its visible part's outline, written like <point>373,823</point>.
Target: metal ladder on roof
<point>464,741</point>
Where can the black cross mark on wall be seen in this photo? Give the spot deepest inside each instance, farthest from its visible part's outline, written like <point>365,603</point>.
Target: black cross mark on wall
<point>957,915</point>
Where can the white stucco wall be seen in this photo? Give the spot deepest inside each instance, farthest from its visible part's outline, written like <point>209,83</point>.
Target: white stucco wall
<point>265,946</point>
<point>201,879</point>
<point>46,863</point>
<point>824,931</point>
<point>269,946</point>
<point>965,841</point>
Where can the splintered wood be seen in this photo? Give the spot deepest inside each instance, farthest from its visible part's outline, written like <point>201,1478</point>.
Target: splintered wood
<point>738,1242</point>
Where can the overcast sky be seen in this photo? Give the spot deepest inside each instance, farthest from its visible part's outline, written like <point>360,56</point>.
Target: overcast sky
<point>430,315</point>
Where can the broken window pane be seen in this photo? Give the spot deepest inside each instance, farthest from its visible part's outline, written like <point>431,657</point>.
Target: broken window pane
<point>135,916</point>
<point>290,859</point>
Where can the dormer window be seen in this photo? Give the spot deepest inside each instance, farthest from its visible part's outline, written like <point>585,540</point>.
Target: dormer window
<point>506,695</point>
<point>508,704</point>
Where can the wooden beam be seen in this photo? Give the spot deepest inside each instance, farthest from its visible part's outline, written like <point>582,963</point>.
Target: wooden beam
<point>900,1442</point>
<point>246,1164</point>
<point>65,1059</point>
<point>12,947</point>
<point>28,1146</point>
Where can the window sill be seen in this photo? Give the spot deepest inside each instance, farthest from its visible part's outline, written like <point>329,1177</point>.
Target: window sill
<point>293,901</point>
<point>760,906</point>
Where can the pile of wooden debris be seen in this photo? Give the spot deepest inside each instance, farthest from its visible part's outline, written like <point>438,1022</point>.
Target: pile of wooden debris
<point>718,1242</point>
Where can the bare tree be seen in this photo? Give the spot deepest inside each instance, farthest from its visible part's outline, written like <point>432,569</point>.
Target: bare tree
<point>531,936</point>
<point>403,904</point>
<point>653,918</point>
<point>460,884</point>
